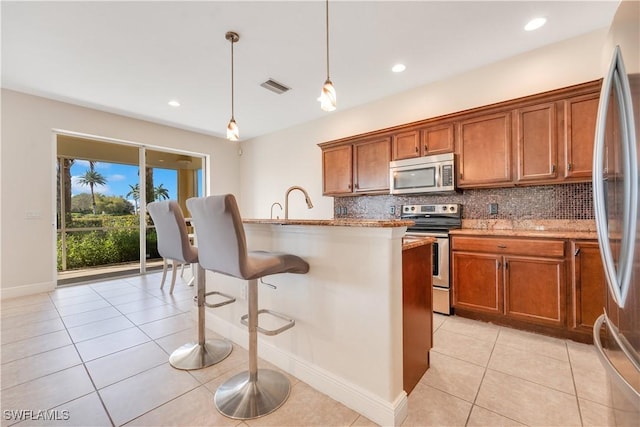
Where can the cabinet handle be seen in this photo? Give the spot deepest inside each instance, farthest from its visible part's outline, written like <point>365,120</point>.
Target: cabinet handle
<point>577,252</point>
<point>417,148</point>
<point>569,166</point>
<point>506,265</point>
<point>553,169</point>
<point>349,186</point>
<point>498,264</point>
<point>426,147</point>
<point>357,186</point>
<point>501,246</point>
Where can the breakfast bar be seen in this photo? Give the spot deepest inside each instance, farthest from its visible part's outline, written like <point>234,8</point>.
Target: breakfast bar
<point>347,341</point>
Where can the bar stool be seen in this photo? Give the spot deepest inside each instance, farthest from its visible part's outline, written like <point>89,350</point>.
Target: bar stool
<point>174,243</point>
<point>223,249</point>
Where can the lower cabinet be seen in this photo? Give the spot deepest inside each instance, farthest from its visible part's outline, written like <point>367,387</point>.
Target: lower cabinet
<point>589,291</point>
<point>417,314</point>
<point>547,285</point>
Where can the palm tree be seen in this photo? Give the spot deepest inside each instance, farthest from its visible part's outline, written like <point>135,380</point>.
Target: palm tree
<point>92,178</point>
<point>160,192</point>
<point>135,193</point>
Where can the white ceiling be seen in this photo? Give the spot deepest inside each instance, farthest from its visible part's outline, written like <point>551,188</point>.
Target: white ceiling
<point>131,58</point>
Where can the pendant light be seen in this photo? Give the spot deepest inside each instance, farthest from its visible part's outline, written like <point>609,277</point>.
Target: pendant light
<point>232,128</point>
<point>328,95</point>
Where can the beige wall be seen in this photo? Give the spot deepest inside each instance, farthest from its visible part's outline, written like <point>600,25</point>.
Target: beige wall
<point>27,172</point>
<point>272,163</point>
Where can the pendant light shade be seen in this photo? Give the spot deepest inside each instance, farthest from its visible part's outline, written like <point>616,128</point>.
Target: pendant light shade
<point>233,133</point>
<point>328,95</point>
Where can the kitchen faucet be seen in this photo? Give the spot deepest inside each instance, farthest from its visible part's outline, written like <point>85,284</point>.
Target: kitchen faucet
<point>286,199</point>
<point>275,203</point>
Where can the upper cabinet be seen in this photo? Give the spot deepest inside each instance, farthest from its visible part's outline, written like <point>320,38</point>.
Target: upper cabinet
<point>356,167</point>
<point>579,130</point>
<point>437,139</point>
<point>546,138</point>
<point>487,138</point>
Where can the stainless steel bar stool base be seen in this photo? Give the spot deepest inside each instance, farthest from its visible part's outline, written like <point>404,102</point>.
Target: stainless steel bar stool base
<point>194,355</point>
<point>243,399</point>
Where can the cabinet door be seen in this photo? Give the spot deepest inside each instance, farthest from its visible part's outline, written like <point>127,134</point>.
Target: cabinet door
<point>371,165</point>
<point>337,170</point>
<point>484,150</point>
<point>580,129</point>
<point>477,282</point>
<point>537,147</point>
<point>406,145</point>
<point>588,282</point>
<point>437,139</point>
<point>535,290</point>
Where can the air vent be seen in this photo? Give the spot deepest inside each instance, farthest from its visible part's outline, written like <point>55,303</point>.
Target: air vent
<point>274,86</point>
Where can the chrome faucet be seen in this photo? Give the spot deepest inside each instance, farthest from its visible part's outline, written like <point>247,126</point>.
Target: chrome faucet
<point>275,203</point>
<point>286,199</point>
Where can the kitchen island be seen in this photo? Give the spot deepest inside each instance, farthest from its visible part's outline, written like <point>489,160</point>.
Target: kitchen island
<point>347,340</point>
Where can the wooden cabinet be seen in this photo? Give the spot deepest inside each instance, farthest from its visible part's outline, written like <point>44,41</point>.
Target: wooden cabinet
<point>337,170</point>
<point>536,142</point>
<point>437,139</point>
<point>588,286</point>
<point>417,313</point>
<point>356,167</point>
<point>510,278</point>
<point>579,132</point>
<point>371,165</point>
<point>484,151</point>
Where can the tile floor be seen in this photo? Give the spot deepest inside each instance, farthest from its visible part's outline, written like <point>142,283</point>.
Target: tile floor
<point>97,354</point>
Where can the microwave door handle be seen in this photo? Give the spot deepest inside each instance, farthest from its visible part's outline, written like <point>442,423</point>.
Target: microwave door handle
<point>439,177</point>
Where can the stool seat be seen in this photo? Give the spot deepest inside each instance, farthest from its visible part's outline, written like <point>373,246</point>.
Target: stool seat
<point>223,249</point>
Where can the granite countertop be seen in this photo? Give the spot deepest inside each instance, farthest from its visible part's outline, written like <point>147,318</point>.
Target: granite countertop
<point>380,223</point>
<point>553,229</point>
<point>414,242</point>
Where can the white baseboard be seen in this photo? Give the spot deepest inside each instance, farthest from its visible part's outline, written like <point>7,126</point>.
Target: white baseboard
<point>25,290</point>
<point>351,395</point>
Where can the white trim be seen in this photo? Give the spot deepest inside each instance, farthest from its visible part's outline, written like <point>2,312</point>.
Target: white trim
<point>26,290</point>
<point>362,401</point>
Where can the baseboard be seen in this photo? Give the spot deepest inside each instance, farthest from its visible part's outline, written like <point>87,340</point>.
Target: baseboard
<point>351,395</point>
<point>25,290</point>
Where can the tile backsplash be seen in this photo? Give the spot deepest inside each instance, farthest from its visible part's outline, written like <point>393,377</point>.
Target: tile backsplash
<point>561,202</point>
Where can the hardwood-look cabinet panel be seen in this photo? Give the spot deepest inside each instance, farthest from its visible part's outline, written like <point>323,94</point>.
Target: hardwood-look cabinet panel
<point>580,128</point>
<point>477,282</point>
<point>588,285</point>
<point>406,145</point>
<point>484,150</point>
<point>537,147</point>
<point>437,139</point>
<point>535,290</point>
<point>417,314</point>
<point>371,165</point>
<point>337,173</point>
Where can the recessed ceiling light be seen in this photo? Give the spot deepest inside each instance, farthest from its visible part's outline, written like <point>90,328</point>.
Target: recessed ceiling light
<point>398,68</point>
<point>174,103</point>
<point>535,23</point>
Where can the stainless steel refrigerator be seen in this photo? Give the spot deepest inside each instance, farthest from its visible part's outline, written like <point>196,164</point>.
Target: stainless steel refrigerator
<point>615,183</point>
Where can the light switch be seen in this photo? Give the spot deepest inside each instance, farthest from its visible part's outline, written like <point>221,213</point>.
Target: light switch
<point>33,215</point>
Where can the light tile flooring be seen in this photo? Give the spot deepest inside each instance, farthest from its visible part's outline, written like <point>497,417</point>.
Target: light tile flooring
<point>97,354</point>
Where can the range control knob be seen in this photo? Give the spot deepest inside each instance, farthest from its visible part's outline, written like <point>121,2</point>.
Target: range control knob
<point>444,208</point>
<point>452,208</point>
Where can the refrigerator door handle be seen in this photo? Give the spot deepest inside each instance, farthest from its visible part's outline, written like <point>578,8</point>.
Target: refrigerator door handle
<point>615,376</point>
<point>616,79</point>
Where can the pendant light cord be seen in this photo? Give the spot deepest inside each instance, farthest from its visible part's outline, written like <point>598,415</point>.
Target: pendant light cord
<point>232,83</point>
<point>327,26</point>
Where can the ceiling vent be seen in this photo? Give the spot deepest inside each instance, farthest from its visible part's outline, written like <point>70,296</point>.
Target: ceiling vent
<point>274,86</point>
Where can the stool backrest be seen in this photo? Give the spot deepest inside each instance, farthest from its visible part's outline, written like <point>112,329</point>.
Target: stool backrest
<point>171,229</point>
<point>222,243</point>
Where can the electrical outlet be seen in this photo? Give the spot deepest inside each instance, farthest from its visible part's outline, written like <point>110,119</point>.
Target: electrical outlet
<point>392,211</point>
<point>493,208</point>
<point>243,291</point>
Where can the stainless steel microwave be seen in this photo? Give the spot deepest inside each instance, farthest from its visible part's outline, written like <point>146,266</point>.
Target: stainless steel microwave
<point>428,174</point>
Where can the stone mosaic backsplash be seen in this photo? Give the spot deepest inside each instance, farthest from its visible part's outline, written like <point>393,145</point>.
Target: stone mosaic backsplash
<point>545,202</point>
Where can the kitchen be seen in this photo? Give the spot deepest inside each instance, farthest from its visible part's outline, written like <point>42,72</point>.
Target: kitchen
<point>487,85</point>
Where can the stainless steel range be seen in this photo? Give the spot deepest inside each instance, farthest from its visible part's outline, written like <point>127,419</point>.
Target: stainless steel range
<point>436,221</point>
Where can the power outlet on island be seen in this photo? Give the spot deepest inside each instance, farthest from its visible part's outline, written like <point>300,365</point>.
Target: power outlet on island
<point>493,209</point>
<point>243,291</point>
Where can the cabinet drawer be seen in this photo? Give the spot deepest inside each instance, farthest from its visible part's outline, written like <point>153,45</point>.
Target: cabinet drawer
<point>510,246</point>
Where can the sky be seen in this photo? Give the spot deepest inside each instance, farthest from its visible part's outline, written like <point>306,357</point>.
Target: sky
<point>120,178</point>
